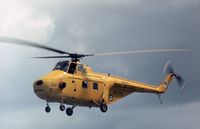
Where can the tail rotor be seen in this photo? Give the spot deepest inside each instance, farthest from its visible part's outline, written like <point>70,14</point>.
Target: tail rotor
<point>168,69</point>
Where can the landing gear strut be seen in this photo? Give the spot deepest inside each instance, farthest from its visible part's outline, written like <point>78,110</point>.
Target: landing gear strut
<point>62,107</point>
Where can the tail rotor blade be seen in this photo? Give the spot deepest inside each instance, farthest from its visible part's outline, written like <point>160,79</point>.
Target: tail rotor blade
<point>181,82</point>
<point>168,68</point>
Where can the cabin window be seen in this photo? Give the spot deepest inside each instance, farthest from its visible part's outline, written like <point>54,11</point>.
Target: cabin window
<point>80,68</point>
<point>84,84</point>
<point>95,86</point>
<point>72,68</point>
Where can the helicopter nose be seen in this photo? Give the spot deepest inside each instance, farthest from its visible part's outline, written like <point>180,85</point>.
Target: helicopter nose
<point>39,88</point>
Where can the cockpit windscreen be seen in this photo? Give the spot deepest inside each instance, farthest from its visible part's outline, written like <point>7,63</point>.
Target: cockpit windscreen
<point>62,66</point>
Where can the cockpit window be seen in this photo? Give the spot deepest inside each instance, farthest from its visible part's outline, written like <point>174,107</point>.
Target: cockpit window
<point>62,66</point>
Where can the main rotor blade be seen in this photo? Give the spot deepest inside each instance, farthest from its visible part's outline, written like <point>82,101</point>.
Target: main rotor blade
<point>48,57</point>
<point>142,51</point>
<point>30,44</point>
<point>89,55</point>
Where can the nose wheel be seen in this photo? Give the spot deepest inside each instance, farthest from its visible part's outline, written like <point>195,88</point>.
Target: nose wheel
<point>62,107</point>
<point>47,108</point>
<point>103,107</point>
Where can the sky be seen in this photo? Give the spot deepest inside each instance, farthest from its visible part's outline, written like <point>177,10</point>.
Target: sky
<point>95,26</point>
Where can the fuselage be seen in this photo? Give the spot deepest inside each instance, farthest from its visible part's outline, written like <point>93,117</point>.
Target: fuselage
<point>76,84</point>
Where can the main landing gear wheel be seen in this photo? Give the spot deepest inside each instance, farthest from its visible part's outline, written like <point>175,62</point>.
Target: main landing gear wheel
<point>62,107</point>
<point>103,107</point>
<point>69,111</point>
<point>47,109</point>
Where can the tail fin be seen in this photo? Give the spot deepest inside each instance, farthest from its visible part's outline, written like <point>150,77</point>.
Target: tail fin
<point>168,69</point>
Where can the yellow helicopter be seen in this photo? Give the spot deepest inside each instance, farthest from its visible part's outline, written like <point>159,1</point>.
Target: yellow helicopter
<point>75,84</point>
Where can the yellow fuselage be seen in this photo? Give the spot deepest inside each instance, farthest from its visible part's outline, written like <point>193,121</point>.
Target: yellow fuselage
<point>89,88</point>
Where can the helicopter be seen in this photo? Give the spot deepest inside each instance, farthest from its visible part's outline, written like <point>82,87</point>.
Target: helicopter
<point>76,84</point>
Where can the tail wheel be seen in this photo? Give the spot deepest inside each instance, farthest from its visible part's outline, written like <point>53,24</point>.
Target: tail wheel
<point>47,109</point>
<point>103,107</point>
<point>69,111</point>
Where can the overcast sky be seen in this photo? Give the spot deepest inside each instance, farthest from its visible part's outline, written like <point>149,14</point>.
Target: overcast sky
<point>93,26</point>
